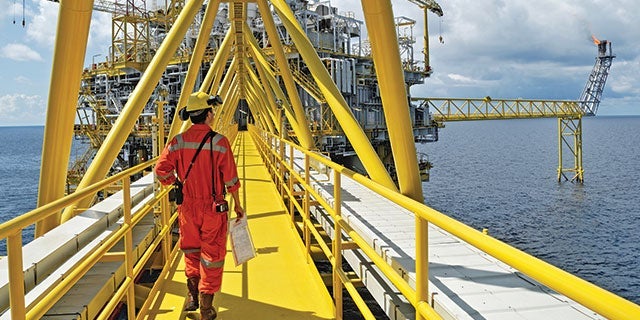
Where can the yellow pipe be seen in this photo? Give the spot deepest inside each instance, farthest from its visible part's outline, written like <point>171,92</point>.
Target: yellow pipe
<point>229,77</point>
<point>427,64</point>
<point>350,126</point>
<point>379,18</point>
<point>560,130</point>
<point>68,56</point>
<point>235,100</point>
<point>214,75</point>
<point>382,34</point>
<point>260,94</point>
<point>263,122</point>
<point>229,107</point>
<point>194,64</point>
<point>263,67</point>
<point>16,274</point>
<point>268,103</point>
<point>128,247</point>
<point>589,295</point>
<point>131,111</point>
<point>257,107</point>
<point>230,81</point>
<point>269,95</point>
<point>337,244</point>
<point>285,72</point>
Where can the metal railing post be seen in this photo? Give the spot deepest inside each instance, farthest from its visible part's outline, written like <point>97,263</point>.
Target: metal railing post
<point>16,275</point>
<point>128,246</point>
<point>281,165</point>
<point>307,214</point>
<point>291,196</point>
<point>337,244</point>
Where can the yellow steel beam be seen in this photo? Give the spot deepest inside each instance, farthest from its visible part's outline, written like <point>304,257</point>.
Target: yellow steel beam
<point>461,109</point>
<point>267,73</point>
<point>266,95</point>
<point>260,111</point>
<point>233,105</point>
<point>230,81</point>
<point>379,18</point>
<point>261,95</point>
<point>380,26</point>
<point>230,95</point>
<point>212,81</point>
<point>68,56</point>
<point>350,126</point>
<point>140,95</point>
<point>256,106</point>
<point>194,64</point>
<point>587,294</point>
<point>257,111</point>
<point>304,136</point>
<point>230,74</point>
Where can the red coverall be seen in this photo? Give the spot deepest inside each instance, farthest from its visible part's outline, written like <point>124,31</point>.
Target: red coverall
<point>203,232</point>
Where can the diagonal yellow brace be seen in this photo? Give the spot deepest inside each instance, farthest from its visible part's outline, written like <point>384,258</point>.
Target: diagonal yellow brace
<point>233,105</point>
<point>260,95</point>
<point>382,34</point>
<point>338,105</point>
<point>229,86</point>
<point>71,42</point>
<point>214,76</point>
<point>305,139</point>
<point>259,110</point>
<point>140,95</point>
<point>194,63</point>
<point>266,73</point>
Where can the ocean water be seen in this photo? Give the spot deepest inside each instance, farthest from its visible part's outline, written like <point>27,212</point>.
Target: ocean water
<point>499,175</point>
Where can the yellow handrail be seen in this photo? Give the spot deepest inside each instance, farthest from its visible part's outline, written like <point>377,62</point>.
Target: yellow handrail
<point>335,255</point>
<point>589,295</point>
<point>12,230</point>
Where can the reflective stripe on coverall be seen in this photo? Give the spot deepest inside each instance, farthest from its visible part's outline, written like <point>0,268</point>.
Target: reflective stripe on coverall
<point>203,232</point>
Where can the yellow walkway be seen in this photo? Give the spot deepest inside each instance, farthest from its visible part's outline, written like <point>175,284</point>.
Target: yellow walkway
<point>278,283</point>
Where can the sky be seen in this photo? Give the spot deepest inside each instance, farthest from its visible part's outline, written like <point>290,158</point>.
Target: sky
<point>503,49</point>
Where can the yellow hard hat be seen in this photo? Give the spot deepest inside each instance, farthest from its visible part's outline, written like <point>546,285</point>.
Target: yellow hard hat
<point>197,101</point>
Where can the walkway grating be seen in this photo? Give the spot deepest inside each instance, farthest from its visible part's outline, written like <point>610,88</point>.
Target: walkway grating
<point>278,283</point>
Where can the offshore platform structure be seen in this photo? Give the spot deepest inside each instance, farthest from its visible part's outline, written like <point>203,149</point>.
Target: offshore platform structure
<point>570,127</point>
<point>568,112</point>
<point>138,30</point>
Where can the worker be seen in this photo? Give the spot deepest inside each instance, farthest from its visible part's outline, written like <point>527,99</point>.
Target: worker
<point>201,165</point>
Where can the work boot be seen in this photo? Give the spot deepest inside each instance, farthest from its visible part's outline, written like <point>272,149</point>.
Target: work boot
<point>206,307</point>
<point>192,295</point>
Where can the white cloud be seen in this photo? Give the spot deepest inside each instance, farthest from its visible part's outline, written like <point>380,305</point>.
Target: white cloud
<point>42,28</point>
<point>19,52</point>
<point>22,80</point>
<point>100,30</point>
<point>538,50</point>
<point>460,78</point>
<point>22,109</point>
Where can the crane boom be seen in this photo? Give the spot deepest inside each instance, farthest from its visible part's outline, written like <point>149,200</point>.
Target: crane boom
<point>108,6</point>
<point>431,5</point>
